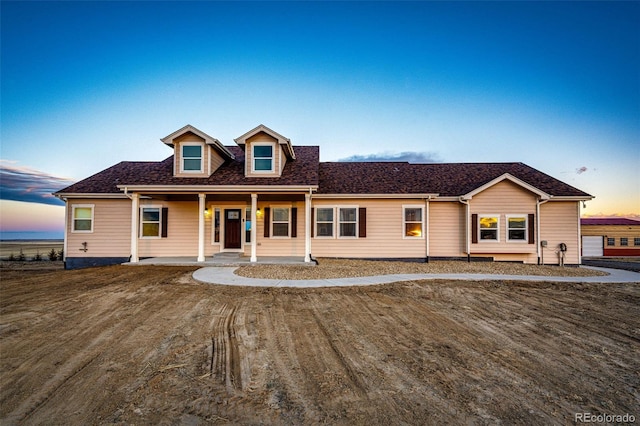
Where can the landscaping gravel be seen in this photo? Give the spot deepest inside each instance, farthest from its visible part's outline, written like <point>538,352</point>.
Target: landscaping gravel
<point>345,268</point>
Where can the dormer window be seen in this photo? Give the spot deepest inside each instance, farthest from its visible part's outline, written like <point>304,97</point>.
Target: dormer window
<point>191,157</point>
<point>262,157</point>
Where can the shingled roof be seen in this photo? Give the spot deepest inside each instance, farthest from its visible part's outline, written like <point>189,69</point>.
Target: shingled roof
<point>301,172</point>
<point>444,179</point>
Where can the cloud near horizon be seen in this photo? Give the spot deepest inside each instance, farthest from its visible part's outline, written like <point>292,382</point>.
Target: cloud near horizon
<point>408,156</point>
<point>20,183</point>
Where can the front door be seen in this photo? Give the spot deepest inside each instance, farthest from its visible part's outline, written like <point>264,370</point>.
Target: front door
<point>233,229</point>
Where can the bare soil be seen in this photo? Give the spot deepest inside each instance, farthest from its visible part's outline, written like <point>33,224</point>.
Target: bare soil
<point>149,345</point>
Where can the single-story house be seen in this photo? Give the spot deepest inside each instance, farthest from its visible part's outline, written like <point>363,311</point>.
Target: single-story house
<point>265,197</point>
<point>610,236</point>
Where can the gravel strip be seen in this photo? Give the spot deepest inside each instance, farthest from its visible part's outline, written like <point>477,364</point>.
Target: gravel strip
<point>346,268</point>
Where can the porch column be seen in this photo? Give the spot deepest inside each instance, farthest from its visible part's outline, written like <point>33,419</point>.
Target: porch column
<point>254,226</point>
<point>201,206</point>
<point>135,205</point>
<point>307,227</point>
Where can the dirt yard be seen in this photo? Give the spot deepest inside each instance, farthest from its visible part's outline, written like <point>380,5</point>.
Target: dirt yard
<point>148,345</point>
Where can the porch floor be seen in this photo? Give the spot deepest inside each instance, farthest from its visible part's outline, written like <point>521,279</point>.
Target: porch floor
<point>223,259</point>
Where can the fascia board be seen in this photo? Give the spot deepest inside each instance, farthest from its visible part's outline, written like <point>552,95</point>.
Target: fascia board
<point>218,188</point>
<point>209,140</point>
<point>382,196</point>
<point>89,195</point>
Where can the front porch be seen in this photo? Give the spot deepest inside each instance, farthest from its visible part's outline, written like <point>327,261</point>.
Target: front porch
<point>221,259</point>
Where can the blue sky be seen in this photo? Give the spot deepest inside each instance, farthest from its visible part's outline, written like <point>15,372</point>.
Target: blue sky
<point>553,84</point>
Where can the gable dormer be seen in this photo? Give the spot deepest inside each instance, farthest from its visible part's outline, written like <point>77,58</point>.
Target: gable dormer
<point>266,152</point>
<point>196,154</point>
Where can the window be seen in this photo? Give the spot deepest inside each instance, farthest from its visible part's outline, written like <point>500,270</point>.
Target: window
<point>247,225</point>
<point>489,228</point>
<point>324,222</point>
<point>636,241</point>
<point>191,158</point>
<point>280,224</point>
<point>517,228</point>
<point>262,158</point>
<point>82,218</point>
<point>348,221</point>
<point>216,225</point>
<point>150,222</point>
<point>611,241</point>
<point>624,241</point>
<point>413,222</point>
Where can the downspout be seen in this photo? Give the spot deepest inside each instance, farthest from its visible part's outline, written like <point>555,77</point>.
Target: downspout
<point>539,248</point>
<point>466,227</point>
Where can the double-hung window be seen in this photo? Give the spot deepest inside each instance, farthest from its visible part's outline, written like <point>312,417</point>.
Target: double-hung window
<point>348,221</point>
<point>82,218</point>
<point>516,228</point>
<point>150,222</point>
<point>280,223</point>
<point>624,241</point>
<point>489,225</point>
<point>263,158</point>
<point>324,222</point>
<point>192,158</point>
<point>611,241</point>
<point>413,222</point>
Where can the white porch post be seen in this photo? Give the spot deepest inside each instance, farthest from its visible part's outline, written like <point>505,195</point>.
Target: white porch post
<point>307,227</point>
<point>201,206</point>
<point>254,226</point>
<point>135,205</point>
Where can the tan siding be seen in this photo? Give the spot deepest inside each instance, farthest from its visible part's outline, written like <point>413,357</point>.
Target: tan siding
<point>446,229</point>
<point>111,236</point>
<point>384,232</point>
<point>559,224</point>
<point>215,160</point>
<point>504,198</point>
<point>279,246</point>
<point>613,231</point>
<point>182,231</point>
<point>278,155</point>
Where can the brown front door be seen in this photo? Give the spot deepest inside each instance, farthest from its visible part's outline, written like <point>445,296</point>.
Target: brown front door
<point>233,229</point>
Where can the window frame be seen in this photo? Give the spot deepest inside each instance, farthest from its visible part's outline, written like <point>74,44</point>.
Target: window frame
<point>273,221</point>
<point>272,158</point>
<point>332,222</point>
<point>611,241</point>
<point>525,229</point>
<point>497,229</point>
<point>182,157</point>
<point>624,242</point>
<point>405,221</point>
<point>73,218</point>
<point>340,222</point>
<point>142,222</point>
<point>636,241</point>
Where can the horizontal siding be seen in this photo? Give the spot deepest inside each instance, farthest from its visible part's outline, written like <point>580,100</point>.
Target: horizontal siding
<point>271,246</point>
<point>504,198</point>
<point>446,229</point>
<point>559,224</point>
<point>613,231</point>
<point>384,232</point>
<point>111,236</point>
<point>278,155</point>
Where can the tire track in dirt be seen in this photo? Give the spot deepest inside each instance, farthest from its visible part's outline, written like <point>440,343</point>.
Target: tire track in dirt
<point>225,358</point>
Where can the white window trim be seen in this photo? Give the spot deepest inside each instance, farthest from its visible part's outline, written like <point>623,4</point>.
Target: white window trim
<point>213,210</point>
<point>333,222</point>
<point>272,221</point>
<point>480,240</point>
<point>273,157</point>
<point>404,221</point>
<point>201,145</point>
<point>151,237</point>
<point>526,228</point>
<point>338,222</point>
<point>73,218</point>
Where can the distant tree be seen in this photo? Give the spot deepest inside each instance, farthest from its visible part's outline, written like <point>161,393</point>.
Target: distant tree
<point>12,257</point>
<point>21,256</point>
<point>53,255</point>
<point>61,255</point>
<point>37,257</point>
